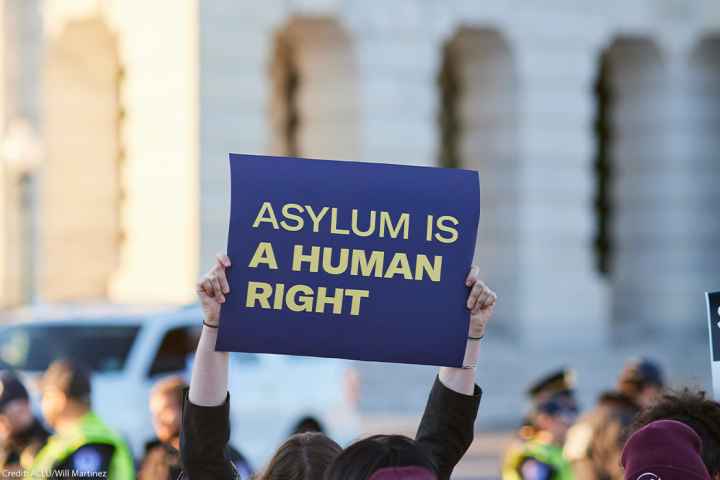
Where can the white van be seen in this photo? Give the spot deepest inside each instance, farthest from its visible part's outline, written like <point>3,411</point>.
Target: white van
<point>128,350</point>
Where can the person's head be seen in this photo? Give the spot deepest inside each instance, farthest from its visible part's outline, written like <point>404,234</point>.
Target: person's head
<point>307,424</point>
<point>556,415</point>
<point>642,380</point>
<point>664,449</point>
<point>554,407</point>
<point>15,410</point>
<point>382,456</point>
<point>166,400</point>
<point>304,456</point>
<point>694,410</point>
<point>65,390</point>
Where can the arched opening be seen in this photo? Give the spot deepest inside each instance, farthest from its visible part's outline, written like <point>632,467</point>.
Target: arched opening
<point>314,109</point>
<point>630,159</point>
<point>477,120</point>
<point>81,184</point>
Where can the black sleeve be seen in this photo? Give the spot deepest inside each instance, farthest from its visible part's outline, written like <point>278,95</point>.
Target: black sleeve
<point>203,441</point>
<point>448,426</point>
<point>242,466</point>
<point>86,460</point>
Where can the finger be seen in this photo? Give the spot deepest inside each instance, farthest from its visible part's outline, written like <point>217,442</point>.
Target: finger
<point>474,294</point>
<point>480,303</point>
<point>493,299</point>
<point>485,299</point>
<point>488,300</point>
<point>217,288</point>
<point>223,259</point>
<point>472,276</point>
<point>222,277</point>
<point>206,287</point>
<point>485,294</point>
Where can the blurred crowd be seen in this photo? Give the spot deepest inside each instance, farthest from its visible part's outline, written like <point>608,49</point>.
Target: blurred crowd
<point>554,442</point>
<point>82,445</point>
<point>639,430</point>
<point>633,432</point>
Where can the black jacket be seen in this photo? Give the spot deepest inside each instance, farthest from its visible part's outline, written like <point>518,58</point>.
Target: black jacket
<point>445,433</point>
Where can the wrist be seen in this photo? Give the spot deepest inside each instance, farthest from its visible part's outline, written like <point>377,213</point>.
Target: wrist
<point>211,321</point>
<point>472,354</point>
<point>476,332</point>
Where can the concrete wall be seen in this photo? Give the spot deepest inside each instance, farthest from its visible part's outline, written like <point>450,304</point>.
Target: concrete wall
<point>368,86</point>
<point>525,114</point>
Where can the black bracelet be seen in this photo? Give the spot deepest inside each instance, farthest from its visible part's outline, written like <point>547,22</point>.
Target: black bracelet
<point>476,338</point>
<point>209,325</point>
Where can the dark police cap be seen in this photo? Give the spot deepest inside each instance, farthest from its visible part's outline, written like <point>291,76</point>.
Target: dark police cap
<point>70,378</point>
<point>11,388</point>
<point>558,382</point>
<point>642,372</point>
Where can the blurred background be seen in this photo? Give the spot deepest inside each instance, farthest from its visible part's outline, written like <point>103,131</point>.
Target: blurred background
<point>595,127</point>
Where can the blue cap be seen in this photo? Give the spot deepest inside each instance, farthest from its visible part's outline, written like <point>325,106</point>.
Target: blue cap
<point>643,371</point>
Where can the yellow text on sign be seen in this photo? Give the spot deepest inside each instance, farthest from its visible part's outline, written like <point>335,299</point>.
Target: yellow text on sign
<point>303,298</point>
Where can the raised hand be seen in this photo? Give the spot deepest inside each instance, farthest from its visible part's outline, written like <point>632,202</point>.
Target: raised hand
<point>212,288</point>
<point>480,302</point>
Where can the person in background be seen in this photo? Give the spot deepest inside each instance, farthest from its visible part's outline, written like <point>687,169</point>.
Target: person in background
<point>538,453</point>
<point>162,456</point>
<point>445,432</point>
<point>664,450</point>
<point>594,443</point>
<point>82,445</point>
<point>696,411</point>
<point>21,433</point>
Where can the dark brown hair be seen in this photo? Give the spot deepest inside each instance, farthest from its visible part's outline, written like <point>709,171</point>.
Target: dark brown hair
<point>363,458</point>
<point>304,456</point>
<point>697,412</point>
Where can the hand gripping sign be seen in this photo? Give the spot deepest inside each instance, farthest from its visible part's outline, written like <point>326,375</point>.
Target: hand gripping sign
<point>350,260</point>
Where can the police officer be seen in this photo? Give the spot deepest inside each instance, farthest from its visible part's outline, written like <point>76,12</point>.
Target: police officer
<point>595,443</point>
<point>21,434</point>
<point>162,458</point>
<point>538,455</point>
<point>82,446</point>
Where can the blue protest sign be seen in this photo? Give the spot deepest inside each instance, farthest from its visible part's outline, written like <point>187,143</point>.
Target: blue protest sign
<point>351,260</point>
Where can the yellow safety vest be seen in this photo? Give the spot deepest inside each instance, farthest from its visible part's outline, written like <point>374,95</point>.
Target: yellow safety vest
<point>89,429</point>
<point>540,451</point>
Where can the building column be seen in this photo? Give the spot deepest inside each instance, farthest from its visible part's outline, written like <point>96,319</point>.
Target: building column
<point>561,297</point>
<point>675,257</point>
<point>6,295</point>
<point>398,74</point>
<point>234,99</point>
<point>20,54</point>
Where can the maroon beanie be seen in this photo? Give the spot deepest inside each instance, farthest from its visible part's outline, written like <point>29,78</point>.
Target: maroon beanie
<point>664,449</point>
<point>403,473</point>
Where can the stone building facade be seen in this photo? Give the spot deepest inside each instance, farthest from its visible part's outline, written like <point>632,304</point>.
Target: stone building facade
<point>595,127</point>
